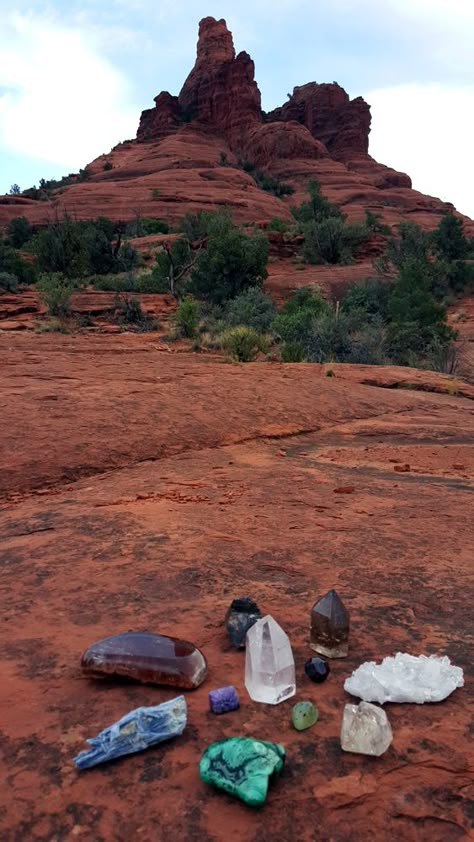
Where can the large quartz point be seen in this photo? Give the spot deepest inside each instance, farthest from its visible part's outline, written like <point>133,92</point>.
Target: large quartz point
<point>405,678</point>
<point>146,657</point>
<point>330,626</point>
<point>269,663</point>
<point>365,729</point>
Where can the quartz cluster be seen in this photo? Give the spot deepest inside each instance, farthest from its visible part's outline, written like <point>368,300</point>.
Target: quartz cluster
<point>405,678</point>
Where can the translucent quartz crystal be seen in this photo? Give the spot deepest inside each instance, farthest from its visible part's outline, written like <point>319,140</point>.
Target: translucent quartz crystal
<point>269,663</point>
<point>137,730</point>
<point>146,657</point>
<point>303,715</point>
<point>242,767</point>
<point>330,627</point>
<point>405,678</point>
<point>365,729</point>
<point>241,615</point>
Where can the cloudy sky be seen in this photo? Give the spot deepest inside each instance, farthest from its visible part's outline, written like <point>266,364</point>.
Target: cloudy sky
<point>75,75</point>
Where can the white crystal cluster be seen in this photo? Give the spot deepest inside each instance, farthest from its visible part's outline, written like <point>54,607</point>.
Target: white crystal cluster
<point>405,678</point>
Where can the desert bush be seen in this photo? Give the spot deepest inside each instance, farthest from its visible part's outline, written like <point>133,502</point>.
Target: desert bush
<point>291,352</point>
<point>252,308</point>
<point>317,207</point>
<point>278,224</point>
<point>187,317</point>
<point>231,262</point>
<point>8,282</point>
<point>55,292</point>
<point>243,343</point>
<point>19,231</point>
<point>449,239</point>
<point>369,298</point>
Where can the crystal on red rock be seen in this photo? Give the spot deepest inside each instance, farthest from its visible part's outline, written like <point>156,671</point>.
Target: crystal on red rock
<point>146,657</point>
<point>330,626</point>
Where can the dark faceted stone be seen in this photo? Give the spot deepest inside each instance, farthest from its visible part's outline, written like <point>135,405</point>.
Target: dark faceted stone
<point>146,657</point>
<point>317,669</point>
<point>240,617</point>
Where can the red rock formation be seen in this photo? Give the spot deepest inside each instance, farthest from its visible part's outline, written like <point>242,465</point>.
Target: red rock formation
<point>162,120</point>
<point>187,151</point>
<point>343,125</point>
<point>220,93</point>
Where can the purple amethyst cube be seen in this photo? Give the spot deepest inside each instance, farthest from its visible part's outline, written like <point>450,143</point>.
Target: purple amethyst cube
<point>223,699</point>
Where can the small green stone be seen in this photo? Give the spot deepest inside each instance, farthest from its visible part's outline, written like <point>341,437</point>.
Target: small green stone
<point>303,715</point>
<point>242,767</point>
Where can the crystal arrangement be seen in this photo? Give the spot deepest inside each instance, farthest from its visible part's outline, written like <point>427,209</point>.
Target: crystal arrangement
<point>269,663</point>
<point>242,767</point>
<point>137,730</point>
<point>330,627</point>
<point>405,678</point>
<point>365,729</point>
<point>146,657</point>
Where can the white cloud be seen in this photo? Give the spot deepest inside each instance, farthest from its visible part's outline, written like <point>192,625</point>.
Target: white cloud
<point>427,132</point>
<point>59,99</point>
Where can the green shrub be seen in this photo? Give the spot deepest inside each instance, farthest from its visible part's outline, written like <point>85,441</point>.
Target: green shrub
<point>187,317</point>
<point>51,326</point>
<point>291,352</point>
<point>172,267</point>
<point>370,298</point>
<point>231,261</point>
<point>278,224</point>
<point>317,207</point>
<point>243,343</point>
<point>19,231</point>
<point>410,244</point>
<point>252,308</point>
<point>12,263</point>
<point>195,225</point>
<point>128,311</point>
<point>449,239</point>
<point>373,222</point>
<point>332,241</point>
<point>8,282</point>
<point>55,292</point>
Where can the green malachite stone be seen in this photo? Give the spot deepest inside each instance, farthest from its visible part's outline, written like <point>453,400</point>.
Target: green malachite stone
<point>303,715</point>
<point>242,767</point>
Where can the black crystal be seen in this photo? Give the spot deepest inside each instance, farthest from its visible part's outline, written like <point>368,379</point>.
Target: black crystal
<point>240,617</point>
<point>317,669</point>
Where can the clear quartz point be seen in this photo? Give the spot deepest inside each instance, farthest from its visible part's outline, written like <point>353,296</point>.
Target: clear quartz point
<point>330,626</point>
<point>365,729</point>
<point>269,663</point>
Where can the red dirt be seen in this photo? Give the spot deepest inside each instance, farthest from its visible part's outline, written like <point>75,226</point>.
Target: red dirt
<point>183,502</point>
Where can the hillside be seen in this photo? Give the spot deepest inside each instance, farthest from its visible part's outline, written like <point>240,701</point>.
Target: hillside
<point>189,151</point>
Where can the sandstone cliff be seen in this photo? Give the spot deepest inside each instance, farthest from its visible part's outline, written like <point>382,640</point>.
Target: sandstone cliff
<point>189,148</point>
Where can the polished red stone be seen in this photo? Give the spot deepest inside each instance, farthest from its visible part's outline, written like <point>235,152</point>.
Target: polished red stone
<point>146,657</point>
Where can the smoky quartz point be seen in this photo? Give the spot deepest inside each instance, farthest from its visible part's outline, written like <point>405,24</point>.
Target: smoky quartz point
<point>146,657</point>
<point>330,626</point>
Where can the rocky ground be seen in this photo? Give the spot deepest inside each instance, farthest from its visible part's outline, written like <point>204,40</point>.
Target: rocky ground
<point>143,489</point>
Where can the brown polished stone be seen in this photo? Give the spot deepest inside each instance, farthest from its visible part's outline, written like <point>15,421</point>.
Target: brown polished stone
<point>146,657</point>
